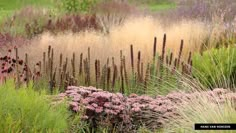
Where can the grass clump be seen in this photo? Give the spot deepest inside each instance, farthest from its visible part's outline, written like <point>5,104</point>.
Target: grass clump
<point>216,67</point>
<point>25,110</point>
<point>203,110</point>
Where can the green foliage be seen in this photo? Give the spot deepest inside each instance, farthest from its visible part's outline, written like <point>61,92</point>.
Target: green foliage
<point>77,5</point>
<point>216,67</point>
<point>25,110</point>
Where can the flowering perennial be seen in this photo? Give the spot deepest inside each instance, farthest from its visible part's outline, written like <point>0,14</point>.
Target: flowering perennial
<point>133,111</point>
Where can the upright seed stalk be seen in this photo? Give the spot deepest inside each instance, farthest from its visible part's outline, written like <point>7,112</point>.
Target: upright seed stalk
<point>122,79</point>
<point>88,67</point>
<point>81,64</point>
<point>99,72</point>
<point>189,57</point>
<point>132,58</point>
<point>154,48</point>
<point>44,62</point>
<point>171,58</point>
<point>125,72</point>
<point>114,77</point>
<point>73,65</point>
<point>108,78</point>
<point>17,70</point>
<point>27,72</point>
<point>163,48</point>
<point>180,52</point>
<point>85,72</point>
<point>138,65</point>
<point>96,73</point>
<point>104,77</point>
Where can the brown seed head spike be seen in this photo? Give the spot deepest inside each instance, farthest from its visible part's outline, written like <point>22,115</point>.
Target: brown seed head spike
<point>171,58</point>
<point>154,48</point>
<point>163,48</point>
<point>108,78</point>
<point>49,50</point>
<point>138,65</point>
<point>180,52</point>
<point>132,58</point>
<point>96,72</point>
<point>73,65</point>
<point>81,64</point>
<point>189,57</point>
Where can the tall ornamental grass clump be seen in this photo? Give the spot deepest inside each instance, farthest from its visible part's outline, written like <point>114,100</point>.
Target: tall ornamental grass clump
<point>216,67</point>
<point>24,110</point>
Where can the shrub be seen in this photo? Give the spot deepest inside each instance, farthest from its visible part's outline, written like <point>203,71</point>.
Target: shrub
<point>76,5</point>
<point>24,110</point>
<point>216,67</point>
<point>72,22</point>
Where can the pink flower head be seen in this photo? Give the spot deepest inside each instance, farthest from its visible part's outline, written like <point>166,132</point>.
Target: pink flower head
<point>99,109</point>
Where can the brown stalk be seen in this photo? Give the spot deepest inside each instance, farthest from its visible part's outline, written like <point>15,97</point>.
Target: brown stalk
<point>27,72</point>
<point>108,78</point>
<point>44,62</point>
<point>132,58</point>
<point>60,70</point>
<point>17,70</point>
<point>189,57</point>
<point>85,72</point>
<point>104,69</point>
<point>108,61</point>
<point>180,52</point>
<point>171,58</point>
<point>125,72</point>
<point>96,73</point>
<point>154,48</point>
<point>122,80</point>
<point>81,64</point>
<point>73,65</point>
<point>138,65</point>
<point>99,70</point>
<point>163,48</point>
<point>114,77</point>
<point>113,61</point>
<point>88,67</point>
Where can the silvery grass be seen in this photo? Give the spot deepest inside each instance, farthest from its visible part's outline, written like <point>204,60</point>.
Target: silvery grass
<point>201,110</point>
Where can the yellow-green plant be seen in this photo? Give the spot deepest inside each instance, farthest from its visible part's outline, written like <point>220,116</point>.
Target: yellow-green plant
<point>216,67</point>
<point>24,110</point>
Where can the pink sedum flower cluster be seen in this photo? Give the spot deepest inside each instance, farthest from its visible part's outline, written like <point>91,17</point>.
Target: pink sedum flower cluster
<point>134,111</point>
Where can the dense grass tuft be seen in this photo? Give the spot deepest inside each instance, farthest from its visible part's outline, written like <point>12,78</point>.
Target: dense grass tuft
<point>24,110</point>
